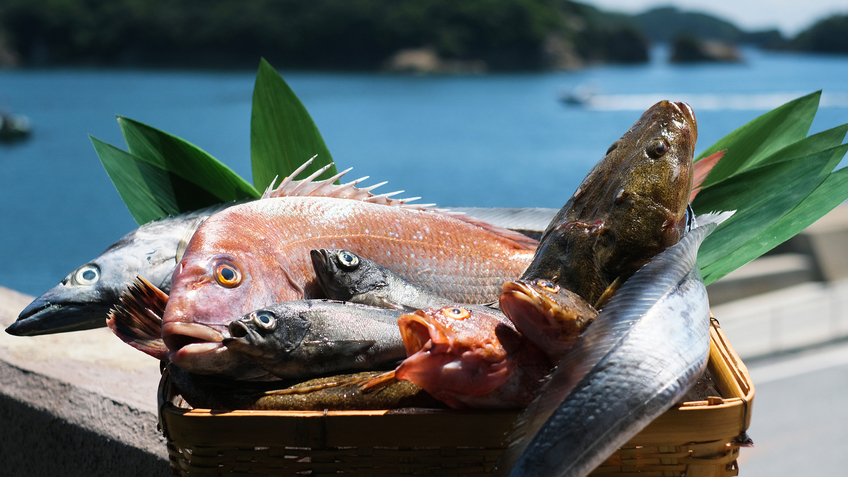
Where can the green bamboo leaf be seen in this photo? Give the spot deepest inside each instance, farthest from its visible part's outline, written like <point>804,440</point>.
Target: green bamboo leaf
<point>763,136</point>
<point>827,196</point>
<point>761,197</point>
<point>818,142</point>
<point>180,157</point>
<point>149,192</point>
<point>282,134</point>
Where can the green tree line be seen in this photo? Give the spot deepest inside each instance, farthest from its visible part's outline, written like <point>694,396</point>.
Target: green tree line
<point>337,34</point>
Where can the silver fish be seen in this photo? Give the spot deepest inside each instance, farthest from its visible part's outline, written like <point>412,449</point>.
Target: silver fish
<point>82,300</point>
<point>307,338</point>
<point>346,276</point>
<point>641,355</point>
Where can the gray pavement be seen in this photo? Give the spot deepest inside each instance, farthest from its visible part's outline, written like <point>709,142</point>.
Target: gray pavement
<point>800,420</point>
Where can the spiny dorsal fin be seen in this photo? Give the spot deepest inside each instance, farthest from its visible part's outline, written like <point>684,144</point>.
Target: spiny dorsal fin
<point>325,188</point>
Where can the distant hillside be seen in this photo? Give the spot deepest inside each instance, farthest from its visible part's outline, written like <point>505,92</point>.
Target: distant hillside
<point>318,34</point>
<point>829,35</point>
<point>665,24</point>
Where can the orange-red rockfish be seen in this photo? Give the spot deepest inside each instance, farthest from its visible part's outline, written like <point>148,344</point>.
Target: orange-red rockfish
<point>254,254</point>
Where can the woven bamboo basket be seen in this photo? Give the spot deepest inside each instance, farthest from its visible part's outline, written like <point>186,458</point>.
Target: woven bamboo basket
<point>698,439</point>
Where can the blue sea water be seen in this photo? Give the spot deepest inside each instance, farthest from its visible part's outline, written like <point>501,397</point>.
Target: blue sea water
<point>479,140</point>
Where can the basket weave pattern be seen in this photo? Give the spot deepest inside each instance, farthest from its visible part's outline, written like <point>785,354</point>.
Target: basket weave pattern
<point>697,439</point>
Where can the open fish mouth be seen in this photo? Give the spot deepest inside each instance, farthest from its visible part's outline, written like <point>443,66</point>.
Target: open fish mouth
<point>417,331</point>
<point>519,295</point>
<point>186,340</point>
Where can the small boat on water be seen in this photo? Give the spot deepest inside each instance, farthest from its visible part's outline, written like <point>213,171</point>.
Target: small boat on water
<point>13,127</point>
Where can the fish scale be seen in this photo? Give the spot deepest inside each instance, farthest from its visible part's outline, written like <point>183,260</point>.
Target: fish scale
<point>269,241</point>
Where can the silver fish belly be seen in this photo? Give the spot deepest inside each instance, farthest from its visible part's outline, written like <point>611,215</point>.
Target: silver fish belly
<point>643,352</point>
<point>308,338</point>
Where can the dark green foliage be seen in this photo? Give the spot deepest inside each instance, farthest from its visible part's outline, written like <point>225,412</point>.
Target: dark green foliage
<point>665,24</point>
<point>339,34</point>
<point>829,35</point>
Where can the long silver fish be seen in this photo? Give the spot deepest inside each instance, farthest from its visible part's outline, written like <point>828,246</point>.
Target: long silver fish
<point>308,338</point>
<point>641,355</point>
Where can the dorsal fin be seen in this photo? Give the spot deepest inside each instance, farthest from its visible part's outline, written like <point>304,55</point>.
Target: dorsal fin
<point>325,188</point>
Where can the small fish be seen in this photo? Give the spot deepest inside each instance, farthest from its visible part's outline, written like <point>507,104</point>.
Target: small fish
<point>631,206</point>
<point>641,355</point>
<point>470,358</point>
<point>346,276</point>
<point>306,338</point>
<point>254,254</point>
<point>548,315</point>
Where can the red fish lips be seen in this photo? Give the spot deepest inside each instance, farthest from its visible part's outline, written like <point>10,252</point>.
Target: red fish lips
<point>447,359</point>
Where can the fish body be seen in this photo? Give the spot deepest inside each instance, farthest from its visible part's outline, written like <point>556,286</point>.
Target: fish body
<point>82,300</point>
<point>307,338</point>
<point>550,316</point>
<point>643,352</point>
<point>630,206</point>
<point>470,357</point>
<point>346,276</point>
<point>254,254</point>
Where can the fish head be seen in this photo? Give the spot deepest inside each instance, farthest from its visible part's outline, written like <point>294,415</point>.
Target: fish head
<point>646,207</point>
<point>83,298</point>
<point>266,334</point>
<point>226,272</point>
<point>456,351</point>
<point>343,274</point>
<point>550,316</point>
<point>629,207</point>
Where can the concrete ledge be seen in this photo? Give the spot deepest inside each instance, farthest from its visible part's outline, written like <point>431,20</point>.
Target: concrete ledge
<point>80,403</point>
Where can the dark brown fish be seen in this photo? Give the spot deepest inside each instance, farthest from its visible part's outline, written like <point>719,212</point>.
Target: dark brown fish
<point>547,314</point>
<point>631,206</point>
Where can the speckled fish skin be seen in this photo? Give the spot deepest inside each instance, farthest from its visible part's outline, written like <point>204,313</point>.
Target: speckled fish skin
<point>82,300</point>
<point>346,276</point>
<point>307,338</point>
<point>262,250</point>
<point>470,358</point>
<point>546,314</point>
<point>631,206</point>
<point>643,352</point>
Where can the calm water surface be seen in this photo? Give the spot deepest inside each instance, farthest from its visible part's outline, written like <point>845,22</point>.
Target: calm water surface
<point>494,140</point>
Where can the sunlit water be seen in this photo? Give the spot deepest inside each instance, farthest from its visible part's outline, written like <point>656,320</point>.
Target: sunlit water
<point>493,140</point>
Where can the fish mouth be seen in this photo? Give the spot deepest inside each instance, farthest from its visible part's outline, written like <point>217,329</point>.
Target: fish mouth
<point>418,332</point>
<point>43,317</point>
<point>523,298</point>
<point>689,115</point>
<point>241,338</point>
<point>185,340</point>
<point>323,265</point>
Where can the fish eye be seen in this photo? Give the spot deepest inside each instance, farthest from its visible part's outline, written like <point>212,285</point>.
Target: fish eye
<point>348,260</point>
<point>455,312</point>
<point>548,286</point>
<point>86,275</point>
<point>657,148</point>
<point>264,319</point>
<point>227,274</point>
